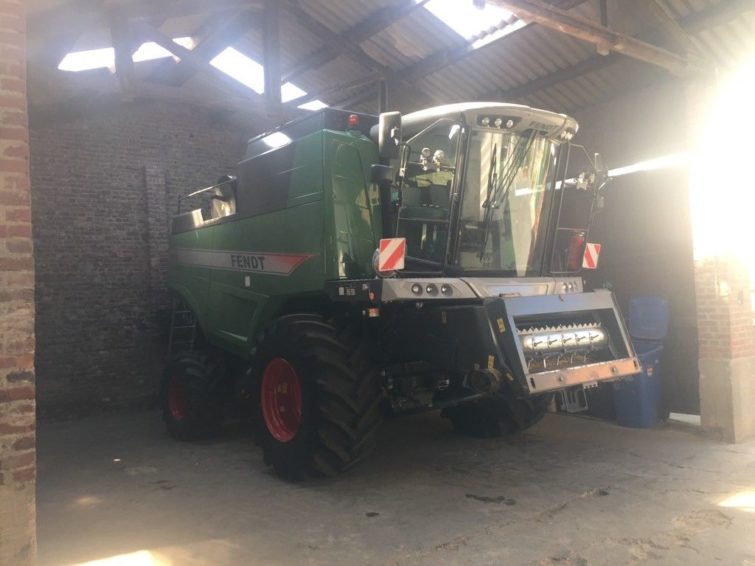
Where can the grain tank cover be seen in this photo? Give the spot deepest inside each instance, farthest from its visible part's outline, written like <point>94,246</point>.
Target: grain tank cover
<point>325,119</point>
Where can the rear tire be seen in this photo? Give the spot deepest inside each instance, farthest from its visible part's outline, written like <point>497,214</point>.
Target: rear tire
<point>319,398</point>
<point>492,417</point>
<point>191,397</point>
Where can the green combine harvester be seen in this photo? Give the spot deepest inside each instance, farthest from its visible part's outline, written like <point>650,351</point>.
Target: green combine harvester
<point>357,267</point>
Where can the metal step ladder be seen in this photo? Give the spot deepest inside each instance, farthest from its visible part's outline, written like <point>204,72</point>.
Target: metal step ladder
<point>183,328</point>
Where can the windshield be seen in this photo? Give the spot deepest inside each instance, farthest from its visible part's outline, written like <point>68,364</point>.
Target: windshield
<point>507,197</point>
<point>425,197</point>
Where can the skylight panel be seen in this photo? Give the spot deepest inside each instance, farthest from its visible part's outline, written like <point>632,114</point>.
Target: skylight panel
<point>290,91</point>
<point>242,68</point>
<point>105,57</point>
<point>250,73</point>
<point>466,19</point>
<point>151,51</point>
<point>89,59</point>
<point>313,105</point>
<point>230,61</point>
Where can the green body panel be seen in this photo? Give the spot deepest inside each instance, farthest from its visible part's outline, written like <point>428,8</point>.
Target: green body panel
<point>331,218</point>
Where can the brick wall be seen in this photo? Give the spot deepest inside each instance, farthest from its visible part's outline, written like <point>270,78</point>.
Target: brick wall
<point>17,411</point>
<point>104,187</point>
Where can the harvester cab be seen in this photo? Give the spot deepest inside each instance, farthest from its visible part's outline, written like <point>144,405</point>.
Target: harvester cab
<point>492,235</point>
<point>357,266</point>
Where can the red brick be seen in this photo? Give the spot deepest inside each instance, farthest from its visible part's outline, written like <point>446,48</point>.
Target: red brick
<point>25,443</point>
<point>19,376</point>
<point>12,83</point>
<point>25,361</point>
<point>19,246</point>
<point>13,263</point>
<point>15,133</point>
<point>19,231</point>
<point>16,394</point>
<point>18,214</point>
<point>13,117</point>
<point>25,475</point>
<point>6,428</point>
<point>14,198</point>
<point>17,151</point>
<point>21,408</point>
<point>13,101</point>
<point>14,165</point>
<point>11,38</point>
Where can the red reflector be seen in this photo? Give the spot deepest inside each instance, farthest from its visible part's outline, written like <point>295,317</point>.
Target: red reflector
<point>576,245</point>
<point>392,254</point>
<point>353,121</point>
<point>592,252</point>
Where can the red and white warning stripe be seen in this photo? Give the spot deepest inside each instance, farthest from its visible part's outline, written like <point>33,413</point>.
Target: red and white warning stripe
<point>590,259</point>
<point>392,254</point>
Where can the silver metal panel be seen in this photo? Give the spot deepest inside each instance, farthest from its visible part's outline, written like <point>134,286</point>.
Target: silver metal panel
<point>401,289</point>
<point>495,287</point>
<point>580,375</point>
<point>477,287</point>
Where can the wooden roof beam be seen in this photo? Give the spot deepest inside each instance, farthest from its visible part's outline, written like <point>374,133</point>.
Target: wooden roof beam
<point>372,25</point>
<point>124,47</point>
<point>663,20</point>
<point>691,24</point>
<point>221,34</point>
<point>539,12</point>
<point>335,41</point>
<point>195,59</point>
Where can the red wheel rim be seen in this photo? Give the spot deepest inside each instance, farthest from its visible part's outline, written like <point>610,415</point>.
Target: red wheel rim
<point>281,400</point>
<point>177,399</point>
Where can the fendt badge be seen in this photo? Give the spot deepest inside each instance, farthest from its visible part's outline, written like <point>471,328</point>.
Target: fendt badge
<point>248,262</point>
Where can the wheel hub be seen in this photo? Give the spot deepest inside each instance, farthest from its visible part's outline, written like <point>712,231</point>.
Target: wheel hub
<point>281,400</point>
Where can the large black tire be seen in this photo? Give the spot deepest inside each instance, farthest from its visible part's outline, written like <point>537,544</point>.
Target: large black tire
<point>191,396</point>
<point>492,417</point>
<point>338,391</point>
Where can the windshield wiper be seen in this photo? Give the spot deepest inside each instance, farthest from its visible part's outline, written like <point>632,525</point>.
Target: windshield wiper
<point>510,168</point>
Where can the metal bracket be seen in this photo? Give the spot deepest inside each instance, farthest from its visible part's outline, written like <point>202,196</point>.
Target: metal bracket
<point>574,399</point>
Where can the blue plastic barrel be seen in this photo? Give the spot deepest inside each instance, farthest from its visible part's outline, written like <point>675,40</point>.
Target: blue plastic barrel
<point>648,317</point>
<point>638,399</point>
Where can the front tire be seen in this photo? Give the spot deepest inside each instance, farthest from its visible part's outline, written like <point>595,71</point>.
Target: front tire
<point>493,417</point>
<point>319,398</point>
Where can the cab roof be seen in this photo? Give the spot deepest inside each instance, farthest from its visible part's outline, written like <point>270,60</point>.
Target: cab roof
<point>550,124</point>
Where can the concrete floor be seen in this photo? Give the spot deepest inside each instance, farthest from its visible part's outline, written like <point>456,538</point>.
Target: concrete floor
<point>570,491</point>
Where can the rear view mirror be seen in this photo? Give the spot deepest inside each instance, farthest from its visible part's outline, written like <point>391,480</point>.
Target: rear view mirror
<point>389,135</point>
<point>601,172</point>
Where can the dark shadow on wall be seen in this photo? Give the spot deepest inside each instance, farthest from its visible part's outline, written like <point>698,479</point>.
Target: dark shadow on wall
<point>103,188</point>
<point>647,250</point>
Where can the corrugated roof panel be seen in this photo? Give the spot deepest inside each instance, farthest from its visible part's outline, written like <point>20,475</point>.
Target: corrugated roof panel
<point>412,39</point>
<point>340,15</point>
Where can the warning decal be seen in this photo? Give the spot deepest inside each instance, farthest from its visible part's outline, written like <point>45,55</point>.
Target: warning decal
<point>590,259</point>
<point>392,254</point>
